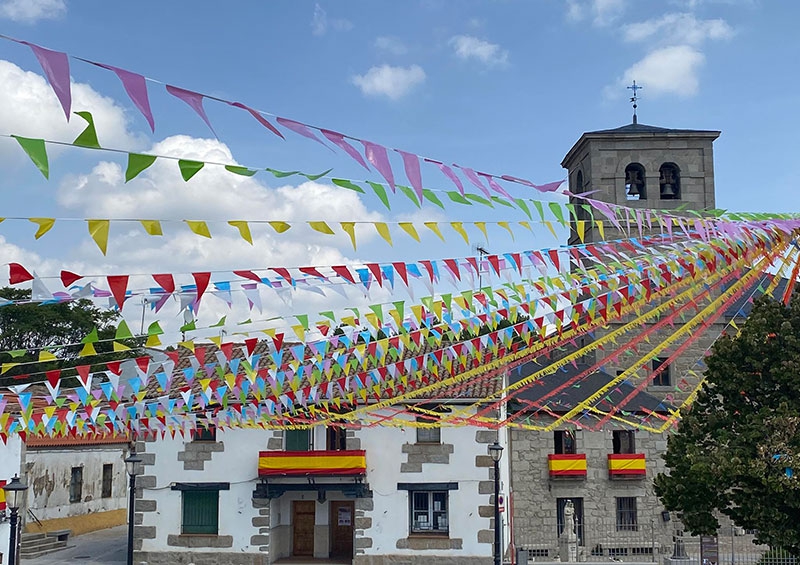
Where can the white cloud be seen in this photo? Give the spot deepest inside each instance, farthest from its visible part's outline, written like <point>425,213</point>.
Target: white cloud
<point>678,28</point>
<point>669,70</point>
<point>31,11</point>
<point>490,54</point>
<point>389,81</point>
<point>29,107</point>
<point>391,45</point>
<point>320,23</point>
<point>601,12</point>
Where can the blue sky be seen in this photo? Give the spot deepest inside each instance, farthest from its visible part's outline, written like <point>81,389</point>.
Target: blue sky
<point>501,86</point>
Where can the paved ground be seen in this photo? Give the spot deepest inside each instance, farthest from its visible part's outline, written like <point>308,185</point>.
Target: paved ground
<point>106,547</point>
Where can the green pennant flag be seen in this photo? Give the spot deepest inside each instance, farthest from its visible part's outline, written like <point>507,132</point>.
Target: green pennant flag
<point>244,171</point>
<point>572,212</point>
<point>316,177</point>
<point>36,151</point>
<point>329,314</point>
<point>555,208</point>
<point>136,164</point>
<point>123,331</point>
<point>154,329</point>
<point>189,168</point>
<point>409,193</point>
<point>479,199</point>
<point>524,207</point>
<point>282,174</point>
<point>430,195</point>
<point>220,323</point>
<point>448,300</point>
<point>303,319</point>
<point>344,183</point>
<point>457,198</point>
<point>189,327</point>
<point>88,137</point>
<point>427,301</point>
<point>400,307</point>
<point>502,201</point>
<point>377,309</point>
<point>539,209</point>
<point>91,337</point>
<point>380,192</point>
<point>588,209</point>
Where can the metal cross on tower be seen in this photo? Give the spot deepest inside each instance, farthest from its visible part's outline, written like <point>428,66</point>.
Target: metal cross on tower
<point>635,99</point>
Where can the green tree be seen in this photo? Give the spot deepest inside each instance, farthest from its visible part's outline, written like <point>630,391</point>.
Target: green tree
<point>29,327</point>
<point>735,451</point>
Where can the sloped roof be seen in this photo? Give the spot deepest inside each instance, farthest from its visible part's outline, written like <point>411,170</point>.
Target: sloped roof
<point>644,128</point>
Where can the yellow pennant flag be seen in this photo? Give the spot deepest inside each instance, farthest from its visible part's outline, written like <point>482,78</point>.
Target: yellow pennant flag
<point>482,226</point>
<point>321,227</point>
<point>199,227</point>
<point>350,229</point>
<point>279,227</point>
<point>434,227</point>
<point>98,229</point>
<point>580,227</point>
<point>216,340</point>
<point>120,347</point>
<point>45,224</point>
<point>300,332</point>
<point>87,351</point>
<point>187,345</point>
<point>45,355</point>
<point>244,230</point>
<point>152,227</point>
<point>7,367</point>
<point>152,341</point>
<point>409,228</point>
<point>550,227</point>
<point>507,227</point>
<point>526,225</point>
<point>458,227</point>
<point>600,229</point>
<point>383,231</point>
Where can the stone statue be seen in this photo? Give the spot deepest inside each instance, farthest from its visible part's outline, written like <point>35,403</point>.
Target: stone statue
<point>569,521</point>
<point>568,540</point>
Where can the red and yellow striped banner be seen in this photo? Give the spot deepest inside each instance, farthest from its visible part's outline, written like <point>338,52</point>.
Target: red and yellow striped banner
<point>2,496</point>
<point>623,465</point>
<point>302,463</point>
<point>567,465</point>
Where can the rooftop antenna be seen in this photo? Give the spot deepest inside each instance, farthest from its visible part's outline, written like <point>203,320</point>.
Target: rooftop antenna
<point>482,252</point>
<point>635,99</point>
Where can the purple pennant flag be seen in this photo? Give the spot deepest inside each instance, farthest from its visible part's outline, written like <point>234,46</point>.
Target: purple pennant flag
<point>549,187</point>
<point>448,172</point>
<point>300,129</point>
<point>509,178</point>
<point>136,87</point>
<point>376,154</point>
<point>194,100</point>
<point>411,164</point>
<point>496,187</point>
<point>56,68</point>
<point>261,119</point>
<point>338,140</point>
<point>473,178</point>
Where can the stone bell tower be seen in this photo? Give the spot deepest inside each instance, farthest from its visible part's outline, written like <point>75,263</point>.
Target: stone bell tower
<point>641,166</point>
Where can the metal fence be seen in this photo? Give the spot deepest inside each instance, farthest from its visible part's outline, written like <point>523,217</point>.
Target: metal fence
<point>653,542</point>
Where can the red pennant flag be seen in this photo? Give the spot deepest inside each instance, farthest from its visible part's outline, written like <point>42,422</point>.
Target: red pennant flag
<point>200,354</point>
<point>115,367</point>
<point>375,269</point>
<point>474,264</point>
<point>343,272</point>
<point>248,275</point>
<point>67,278</point>
<point>143,363</point>
<point>165,281</point>
<point>554,258</point>
<point>494,261</point>
<point>278,341</point>
<point>53,377</point>
<point>227,349</point>
<point>400,269</point>
<point>201,280</point>
<point>453,266</point>
<point>250,344</point>
<point>311,271</point>
<point>83,373</point>
<point>118,285</point>
<point>428,267</point>
<point>283,272</point>
<point>18,273</point>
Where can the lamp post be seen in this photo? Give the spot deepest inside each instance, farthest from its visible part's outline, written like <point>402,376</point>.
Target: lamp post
<point>15,488</point>
<point>496,452</point>
<point>132,467</point>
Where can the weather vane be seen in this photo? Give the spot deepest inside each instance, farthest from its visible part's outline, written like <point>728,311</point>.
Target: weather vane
<point>635,99</point>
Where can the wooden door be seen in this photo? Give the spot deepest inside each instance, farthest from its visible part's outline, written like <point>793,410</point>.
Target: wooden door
<point>341,521</point>
<point>303,527</point>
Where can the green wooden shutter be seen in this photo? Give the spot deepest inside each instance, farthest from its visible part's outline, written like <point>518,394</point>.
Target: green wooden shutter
<point>201,512</point>
<point>298,440</point>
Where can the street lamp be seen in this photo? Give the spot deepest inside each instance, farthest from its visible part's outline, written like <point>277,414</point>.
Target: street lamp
<point>14,490</point>
<point>496,452</point>
<point>132,466</point>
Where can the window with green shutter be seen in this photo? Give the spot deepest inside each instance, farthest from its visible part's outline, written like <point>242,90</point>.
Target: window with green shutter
<point>297,440</point>
<point>200,512</point>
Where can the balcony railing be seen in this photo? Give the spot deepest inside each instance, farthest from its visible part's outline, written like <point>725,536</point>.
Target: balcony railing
<point>305,463</point>
<point>567,466</point>
<point>626,466</point>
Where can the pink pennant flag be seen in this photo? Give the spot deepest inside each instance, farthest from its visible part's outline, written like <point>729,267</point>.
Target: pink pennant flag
<point>448,172</point>
<point>517,180</point>
<point>56,68</point>
<point>376,154</point>
<point>194,100</point>
<point>496,187</point>
<point>260,118</point>
<point>473,178</point>
<point>549,187</point>
<point>136,87</point>
<point>411,164</point>
<point>339,141</point>
<point>300,129</point>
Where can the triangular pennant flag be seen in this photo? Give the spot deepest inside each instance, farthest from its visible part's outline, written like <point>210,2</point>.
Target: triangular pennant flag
<point>244,230</point>
<point>199,227</point>
<point>98,229</point>
<point>458,227</point>
<point>201,280</point>
<point>118,285</point>
<point>189,168</point>
<point>45,225</point>
<point>88,137</point>
<point>136,164</point>
<point>165,281</point>
<point>321,227</point>
<point>377,155</point>
<point>279,227</point>
<point>68,278</point>
<point>383,231</point>
<point>194,100</point>
<point>434,227</point>
<point>409,228</point>
<point>123,331</point>
<point>56,68</point>
<point>152,227</point>
<point>338,140</point>
<point>18,273</point>
<point>350,229</point>
<point>257,115</point>
<point>37,152</point>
